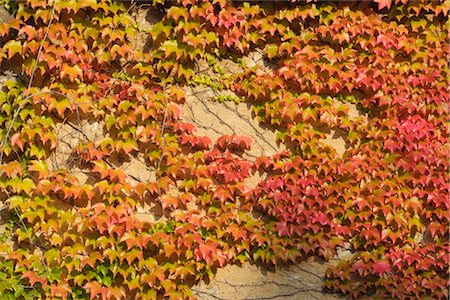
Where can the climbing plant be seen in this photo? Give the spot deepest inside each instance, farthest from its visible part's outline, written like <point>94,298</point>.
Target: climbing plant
<point>80,237</point>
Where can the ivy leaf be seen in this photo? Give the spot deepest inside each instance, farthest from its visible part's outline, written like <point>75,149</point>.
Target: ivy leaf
<point>238,232</point>
<point>40,167</point>
<point>13,47</point>
<point>4,29</point>
<point>223,195</point>
<point>111,120</point>
<point>26,185</point>
<point>132,255</point>
<point>71,72</point>
<point>244,142</point>
<point>272,51</point>
<point>16,140</point>
<point>126,146</point>
<point>381,267</point>
<point>11,169</point>
<point>94,288</point>
<point>60,290</point>
<point>176,13</point>
<point>33,277</point>
<point>174,110</point>
<point>205,251</point>
<point>90,32</point>
<point>171,46</point>
<point>234,142</point>
<point>169,201</point>
<point>160,28</point>
<point>184,270</point>
<point>422,23</point>
<point>384,3</point>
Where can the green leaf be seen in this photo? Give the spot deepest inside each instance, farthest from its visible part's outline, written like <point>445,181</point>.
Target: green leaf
<point>160,28</point>
<point>26,185</point>
<point>90,32</point>
<point>175,12</point>
<point>23,235</point>
<point>52,255</point>
<point>422,23</point>
<point>171,46</point>
<point>110,121</point>
<point>13,47</point>
<point>124,106</point>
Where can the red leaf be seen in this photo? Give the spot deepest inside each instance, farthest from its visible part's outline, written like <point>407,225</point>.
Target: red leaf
<point>184,128</point>
<point>15,140</point>
<point>238,232</point>
<point>206,250</point>
<point>169,201</point>
<point>383,3</point>
<point>381,267</point>
<point>174,110</point>
<point>223,195</point>
<point>263,162</point>
<point>33,277</point>
<point>60,290</point>
<point>234,142</point>
<point>11,168</point>
<point>244,142</point>
<point>94,287</point>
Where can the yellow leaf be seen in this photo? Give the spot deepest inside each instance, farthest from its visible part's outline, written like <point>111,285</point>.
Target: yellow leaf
<point>13,47</point>
<point>72,72</point>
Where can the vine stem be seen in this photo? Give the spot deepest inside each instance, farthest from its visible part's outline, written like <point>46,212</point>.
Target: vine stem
<point>163,127</point>
<point>16,114</point>
<point>38,56</point>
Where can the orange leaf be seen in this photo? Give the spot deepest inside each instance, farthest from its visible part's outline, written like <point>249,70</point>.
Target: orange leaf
<point>169,201</point>
<point>94,287</point>
<point>33,277</point>
<point>384,3</point>
<point>71,72</point>
<point>60,290</point>
<point>11,168</point>
<point>15,140</point>
<point>206,251</point>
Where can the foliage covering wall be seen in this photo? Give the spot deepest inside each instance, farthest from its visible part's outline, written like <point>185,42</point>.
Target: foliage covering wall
<point>387,196</point>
